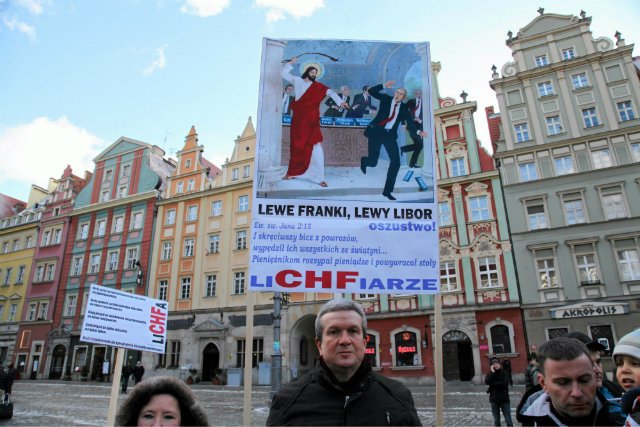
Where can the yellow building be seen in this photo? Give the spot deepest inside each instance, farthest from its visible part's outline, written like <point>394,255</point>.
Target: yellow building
<point>200,263</point>
<point>17,245</point>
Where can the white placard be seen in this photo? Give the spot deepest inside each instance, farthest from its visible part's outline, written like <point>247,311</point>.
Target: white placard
<point>125,320</point>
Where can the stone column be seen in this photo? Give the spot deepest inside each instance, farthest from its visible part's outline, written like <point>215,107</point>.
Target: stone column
<point>269,132</point>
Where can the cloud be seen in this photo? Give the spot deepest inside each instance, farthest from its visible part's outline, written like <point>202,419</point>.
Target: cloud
<point>47,147</point>
<point>33,6</point>
<point>204,8</point>
<point>159,63</point>
<point>14,24</point>
<point>278,9</point>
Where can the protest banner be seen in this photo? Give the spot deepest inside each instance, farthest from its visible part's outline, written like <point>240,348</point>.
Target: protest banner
<point>345,179</point>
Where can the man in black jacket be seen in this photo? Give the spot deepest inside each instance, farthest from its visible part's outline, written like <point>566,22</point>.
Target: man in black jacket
<point>498,382</point>
<point>342,389</point>
<point>569,385</point>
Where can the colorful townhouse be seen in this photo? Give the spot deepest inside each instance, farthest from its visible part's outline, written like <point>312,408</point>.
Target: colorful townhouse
<point>567,143</point>
<point>108,243</point>
<point>43,280</point>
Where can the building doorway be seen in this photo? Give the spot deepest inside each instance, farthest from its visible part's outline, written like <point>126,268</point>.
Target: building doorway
<point>304,353</point>
<point>98,360</point>
<point>457,356</point>
<point>57,362</point>
<point>210,362</point>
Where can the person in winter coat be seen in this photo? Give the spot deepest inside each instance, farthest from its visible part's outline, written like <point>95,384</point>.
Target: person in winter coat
<point>11,377</point>
<point>138,372</point>
<point>531,373</point>
<point>342,389</point>
<point>124,379</point>
<point>498,382</point>
<point>569,396</point>
<point>165,401</point>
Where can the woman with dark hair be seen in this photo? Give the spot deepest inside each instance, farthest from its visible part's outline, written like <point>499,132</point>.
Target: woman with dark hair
<point>165,401</point>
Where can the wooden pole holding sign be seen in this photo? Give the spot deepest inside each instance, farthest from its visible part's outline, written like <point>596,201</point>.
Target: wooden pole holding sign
<point>437,347</point>
<point>248,359</point>
<point>115,387</point>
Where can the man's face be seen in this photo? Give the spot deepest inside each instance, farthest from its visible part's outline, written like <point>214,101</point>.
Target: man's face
<point>570,384</point>
<point>496,365</point>
<point>343,342</point>
<point>597,366</point>
<point>288,89</point>
<point>418,93</point>
<point>346,91</point>
<point>313,74</point>
<point>399,94</point>
<point>628,372</point>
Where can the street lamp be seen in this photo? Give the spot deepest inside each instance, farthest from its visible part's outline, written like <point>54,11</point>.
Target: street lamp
<point>139,274</point>
<point>280,299</point>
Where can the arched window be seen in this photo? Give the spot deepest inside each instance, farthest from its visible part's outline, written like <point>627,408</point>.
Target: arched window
<point>406,349</point>
<point>500,340</point>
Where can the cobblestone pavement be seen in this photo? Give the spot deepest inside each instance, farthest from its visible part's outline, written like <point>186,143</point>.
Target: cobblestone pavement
<point>62,403</point>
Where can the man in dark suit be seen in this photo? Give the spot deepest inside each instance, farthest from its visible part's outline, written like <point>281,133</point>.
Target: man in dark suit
<point>334,109</point>
<point>383,131</point>
<point>361,104</point>
<point>415,108</point>
<point>287,100</point>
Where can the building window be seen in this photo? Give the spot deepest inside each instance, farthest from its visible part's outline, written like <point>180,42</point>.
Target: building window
<point>590,117</point>
<point>536,215</point>
<point>545,89</point>
<point>192,213</point>
<point>170,217</point>
<point>601,158</point>
<point>122,192</point>
<point>179,187</point>
<point>5,247</point>
<point>604,335</point>
<point>29,240</point>
<point>76,266</point>
<point>500,340</point>
<point>243,203</point>
<point>488,270</point>
<point>564,165</point>
<point>94,264</point>
<point>175,354</point>
<point>573,207</point>
<point>108,175</point>
<point>614,206</point>
<point>136,224</point>
<point>241,239</point>
<point>126,171</point>
<point>80,359</point>
<point>210,290</point>
<point>187,163</point>
<point>51,271</point>
<point>214,243</point>
<point>20,276</point>
<point>46,239</point>
<point>188,247</point>
<point>406,349</point>
<point>257,354</point>
<point>118,224</point>
<point>163,286</point>
<point>246,170</point>
<point>458,167</point>
<point>444,214</point>
<point>448,276</point>
<point>70,305</point>
<point>629,264</point>
<point>479,206</point>
<point>579,80</point>
<point>7,276</point>
<point>31,314</point>
<point>569,53</point>
<point>635,152</point>
<point>16,243</point>
<point>522,132</point>
<point>43,311</point>
<point>554,126</point>
<point>234,174</point>
<point>547,277</point>
<point>191,184</point>
<point>83,232</point>
<point>132,257</point>
<point>216,208</point>
<point>371,350</point>
<point>112,260</point>
<point>238,282</point>
<point>104,196</point>
<point>166,250</point>
<point>541,61</point>
<point>587,269</point>
<point>528,172</point>
<point>101,227</point>
<point>185,288</point>
<point>39,276</point>
<point>13,309</point>
<point>625,111</point>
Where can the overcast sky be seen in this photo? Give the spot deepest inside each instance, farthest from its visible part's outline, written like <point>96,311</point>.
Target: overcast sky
<point>76,74</point>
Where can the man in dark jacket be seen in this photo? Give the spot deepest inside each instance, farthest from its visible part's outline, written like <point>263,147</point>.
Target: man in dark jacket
<point>342,389</point>
<point>498,382</point>
<point>569,385</point>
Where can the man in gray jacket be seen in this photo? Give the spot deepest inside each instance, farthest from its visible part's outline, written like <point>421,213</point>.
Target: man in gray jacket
<point>342,389</point>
